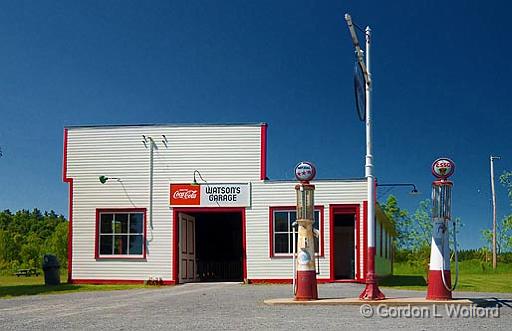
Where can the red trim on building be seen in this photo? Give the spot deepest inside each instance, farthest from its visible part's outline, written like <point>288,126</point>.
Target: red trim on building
<point>116,281</point>
<point>331,244</point>
<point>263,155</point>
<point>359,281</point>
<point>191,210</point>
<point>244,247</point>
<point>365,240</point>
<point>320,208</point>
<point>97,233</point>
<point>70,205</point>
<point>281,281</point>
<point>337,210</point>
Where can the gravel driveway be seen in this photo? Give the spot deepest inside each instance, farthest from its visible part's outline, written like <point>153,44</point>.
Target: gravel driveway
<point>230,306</point>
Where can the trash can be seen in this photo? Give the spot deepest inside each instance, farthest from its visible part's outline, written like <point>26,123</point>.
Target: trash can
<point>51,268</point>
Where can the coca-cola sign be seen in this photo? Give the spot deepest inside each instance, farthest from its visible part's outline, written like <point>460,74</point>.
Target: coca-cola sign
<point>211,195</point>
<point>185,195</point>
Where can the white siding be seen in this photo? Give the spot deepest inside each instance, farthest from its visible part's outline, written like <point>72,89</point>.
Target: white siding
<point>268,194</point>
<point>221,154</point>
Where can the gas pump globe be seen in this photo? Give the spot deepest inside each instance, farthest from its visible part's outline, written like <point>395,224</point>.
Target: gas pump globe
<point>439,276</point>
<point>306,285</point>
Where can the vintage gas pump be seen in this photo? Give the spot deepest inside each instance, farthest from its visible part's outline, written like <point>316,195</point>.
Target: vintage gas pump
<point>306,286</point>
<point>439,277</point>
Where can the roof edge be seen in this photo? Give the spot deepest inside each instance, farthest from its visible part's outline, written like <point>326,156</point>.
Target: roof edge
<point>93,126</point>
<point>316,180</point>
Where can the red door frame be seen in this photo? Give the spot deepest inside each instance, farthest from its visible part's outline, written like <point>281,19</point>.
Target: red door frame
<point>345,209</point>
<point>197,210</point>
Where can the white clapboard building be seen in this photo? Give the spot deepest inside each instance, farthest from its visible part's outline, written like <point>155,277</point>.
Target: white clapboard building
<point>189,203</point>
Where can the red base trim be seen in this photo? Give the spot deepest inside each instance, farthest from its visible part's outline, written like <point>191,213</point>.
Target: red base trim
<point>306,285</point>
<point>115,281</point>
<point>282,281</point>
<point>436,289</point>
<point>371,291</point>
<point>348,281</point>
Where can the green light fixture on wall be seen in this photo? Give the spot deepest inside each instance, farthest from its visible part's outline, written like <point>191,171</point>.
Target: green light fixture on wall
<point>104,179</point>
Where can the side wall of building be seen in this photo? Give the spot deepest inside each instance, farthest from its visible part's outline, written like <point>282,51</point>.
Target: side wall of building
<point>260,264</point>
<point>220,153</point>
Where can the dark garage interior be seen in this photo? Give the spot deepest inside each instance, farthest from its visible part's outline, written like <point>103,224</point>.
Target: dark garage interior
<point>219,246</point>
<point>344,246</point>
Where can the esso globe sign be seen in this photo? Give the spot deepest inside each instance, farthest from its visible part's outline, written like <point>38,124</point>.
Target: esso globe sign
<point>443,168</point>
<point>305,171</point>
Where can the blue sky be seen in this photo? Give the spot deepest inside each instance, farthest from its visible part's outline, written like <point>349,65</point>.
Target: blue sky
<point>441,75</point>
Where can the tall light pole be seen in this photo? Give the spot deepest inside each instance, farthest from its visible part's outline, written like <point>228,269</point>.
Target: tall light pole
<point>494,262</point>
<point>371,291</point>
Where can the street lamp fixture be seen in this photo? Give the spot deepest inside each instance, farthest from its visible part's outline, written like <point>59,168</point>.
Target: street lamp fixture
<point>371,291</point>
<point>104,179</point>
<point>195,183</point>
<point>414,190</point>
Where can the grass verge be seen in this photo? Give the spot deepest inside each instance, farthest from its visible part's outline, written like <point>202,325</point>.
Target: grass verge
<point>12,286</point>
<point>474,276</point>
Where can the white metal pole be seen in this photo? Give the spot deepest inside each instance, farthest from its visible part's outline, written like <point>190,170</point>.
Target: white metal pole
<point>494,260</point>
<point>369,156</point>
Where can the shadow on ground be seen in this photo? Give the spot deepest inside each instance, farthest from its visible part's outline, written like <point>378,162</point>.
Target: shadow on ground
<point>18,290</point>
<point>492,302</point>
<point>403,280</point>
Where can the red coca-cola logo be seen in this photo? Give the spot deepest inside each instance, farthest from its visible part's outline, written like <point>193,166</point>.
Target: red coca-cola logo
<point>185,194</point>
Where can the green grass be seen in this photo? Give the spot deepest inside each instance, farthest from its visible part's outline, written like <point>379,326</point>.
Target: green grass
<point>12,286</point>
<point>474,276</point>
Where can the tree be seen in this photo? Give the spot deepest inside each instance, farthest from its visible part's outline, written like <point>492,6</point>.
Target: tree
<point>503,235</point>
<point>26,236</point>
<point>57,244</point>
<point>504,227</point>
<point>414,232</point>
<point>31,251</point>
<point>401,220</point>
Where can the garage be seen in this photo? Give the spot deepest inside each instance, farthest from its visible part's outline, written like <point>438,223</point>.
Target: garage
<point>210,245</point>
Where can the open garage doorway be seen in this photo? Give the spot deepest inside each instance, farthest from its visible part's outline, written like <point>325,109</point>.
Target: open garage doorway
<point>344,234</point>
<point>211,245</point>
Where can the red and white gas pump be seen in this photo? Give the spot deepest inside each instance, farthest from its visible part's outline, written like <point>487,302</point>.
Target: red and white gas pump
<point>305,277</point>
<point>439,276</point>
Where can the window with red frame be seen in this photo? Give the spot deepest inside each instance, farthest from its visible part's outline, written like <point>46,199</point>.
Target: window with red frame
<point>121,234</point>
<point>282,232</point>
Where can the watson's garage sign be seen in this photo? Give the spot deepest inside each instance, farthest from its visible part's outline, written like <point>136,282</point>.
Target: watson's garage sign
<point>211,195</point>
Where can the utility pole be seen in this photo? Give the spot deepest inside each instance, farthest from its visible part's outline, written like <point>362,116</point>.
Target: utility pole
<point>494,262</point>
<point>371,291</point>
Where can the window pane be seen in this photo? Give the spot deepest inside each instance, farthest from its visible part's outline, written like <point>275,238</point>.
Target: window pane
<point>136,223</point>
<point>106,223</point>
<point>293,216</point>
<point>316,225</point>
<point>281,221</point>
<point>120,245</point>
<point>291,241</point>
<point>121,223</point>
<point>281,243</point>
<point>135,245</point>
<point>106,245</point>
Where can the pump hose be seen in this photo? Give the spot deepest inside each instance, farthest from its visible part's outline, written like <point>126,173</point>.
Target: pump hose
<point>456,260</point>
